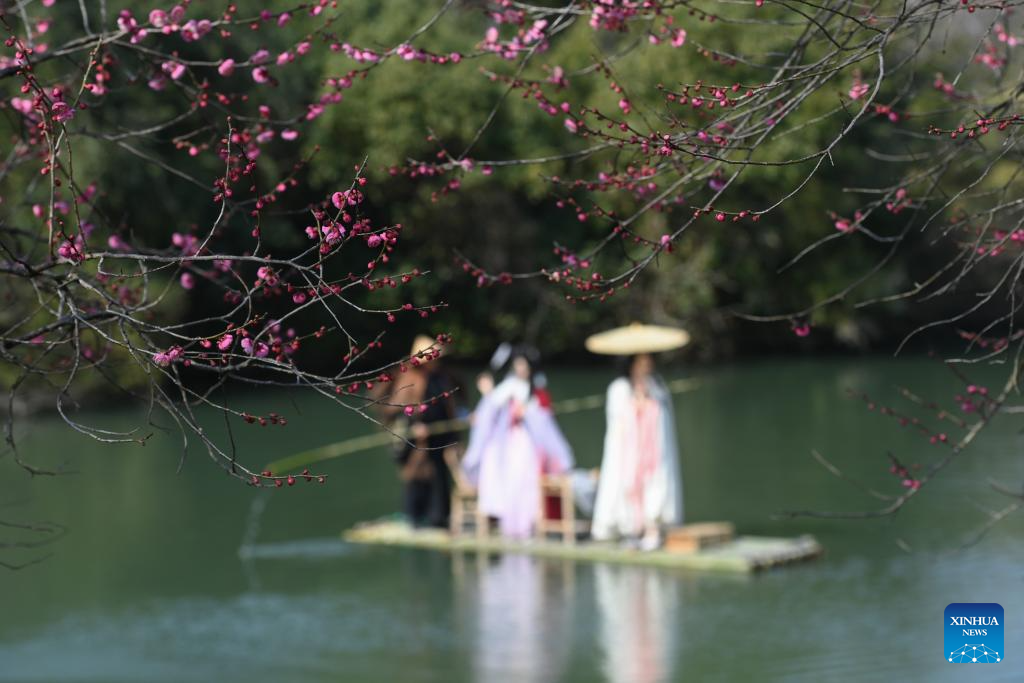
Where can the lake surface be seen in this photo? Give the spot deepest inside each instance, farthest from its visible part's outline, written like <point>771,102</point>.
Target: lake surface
<point>195,577</point>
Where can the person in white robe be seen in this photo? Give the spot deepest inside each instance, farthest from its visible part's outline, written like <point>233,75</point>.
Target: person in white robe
<point>640,490</point>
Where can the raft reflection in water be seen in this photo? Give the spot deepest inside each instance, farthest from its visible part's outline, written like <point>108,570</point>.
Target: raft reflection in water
<point>521,611</point>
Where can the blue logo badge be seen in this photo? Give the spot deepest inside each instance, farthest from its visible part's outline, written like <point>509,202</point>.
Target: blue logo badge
<point>974,633</point>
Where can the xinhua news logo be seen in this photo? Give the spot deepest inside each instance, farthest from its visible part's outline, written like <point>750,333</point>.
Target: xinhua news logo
<point>974,633</point>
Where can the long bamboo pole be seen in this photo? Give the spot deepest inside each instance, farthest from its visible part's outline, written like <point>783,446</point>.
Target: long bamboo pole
<point>383,438</point>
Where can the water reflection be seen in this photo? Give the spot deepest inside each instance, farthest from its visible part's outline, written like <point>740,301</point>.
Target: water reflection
<point>639,630</point>
<point>519,615</point>
<point>522,615</point>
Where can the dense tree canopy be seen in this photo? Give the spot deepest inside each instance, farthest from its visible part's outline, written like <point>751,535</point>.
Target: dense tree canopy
<point>399,109</point>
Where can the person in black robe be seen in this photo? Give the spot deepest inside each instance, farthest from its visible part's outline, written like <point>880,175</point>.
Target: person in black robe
<point>422,455</point>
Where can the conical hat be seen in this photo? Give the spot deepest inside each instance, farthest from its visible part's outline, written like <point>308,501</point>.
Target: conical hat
<point>425,345</point>
<point>637,338</point>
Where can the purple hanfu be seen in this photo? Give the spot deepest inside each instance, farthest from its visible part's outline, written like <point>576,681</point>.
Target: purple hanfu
<point>512,441</point>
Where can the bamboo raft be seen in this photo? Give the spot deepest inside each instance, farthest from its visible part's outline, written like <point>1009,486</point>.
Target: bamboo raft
<point>720,553</point>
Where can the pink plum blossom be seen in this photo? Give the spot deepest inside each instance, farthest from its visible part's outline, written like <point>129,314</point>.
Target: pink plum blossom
<point>62,111</point>
<point>22,105</point>
<point>72,250</point>
<point>858,90</point>
<point>173,69</point>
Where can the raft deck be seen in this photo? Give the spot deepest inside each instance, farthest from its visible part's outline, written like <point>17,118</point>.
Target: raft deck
<point>744,554</point>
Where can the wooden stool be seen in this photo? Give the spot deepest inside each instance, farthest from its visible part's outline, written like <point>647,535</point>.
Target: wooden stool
<point>465,507</point>
<point>558,509</point>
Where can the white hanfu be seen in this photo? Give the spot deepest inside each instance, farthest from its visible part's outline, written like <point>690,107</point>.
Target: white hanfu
<point>640,484</point>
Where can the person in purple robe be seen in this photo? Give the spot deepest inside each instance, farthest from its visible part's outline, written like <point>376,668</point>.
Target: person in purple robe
<point>513,440</point>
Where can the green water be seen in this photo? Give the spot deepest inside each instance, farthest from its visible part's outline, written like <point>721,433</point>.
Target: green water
<point>150,585</point>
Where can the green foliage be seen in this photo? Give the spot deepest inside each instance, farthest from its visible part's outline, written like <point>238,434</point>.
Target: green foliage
<point>509,221</point>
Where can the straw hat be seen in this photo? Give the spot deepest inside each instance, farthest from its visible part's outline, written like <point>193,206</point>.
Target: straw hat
<point>637,338</point>
<point>425,345</point>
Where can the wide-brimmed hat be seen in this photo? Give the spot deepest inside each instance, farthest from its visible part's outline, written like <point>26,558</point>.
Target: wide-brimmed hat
<point>428,346</point>
<point>637,338</point>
